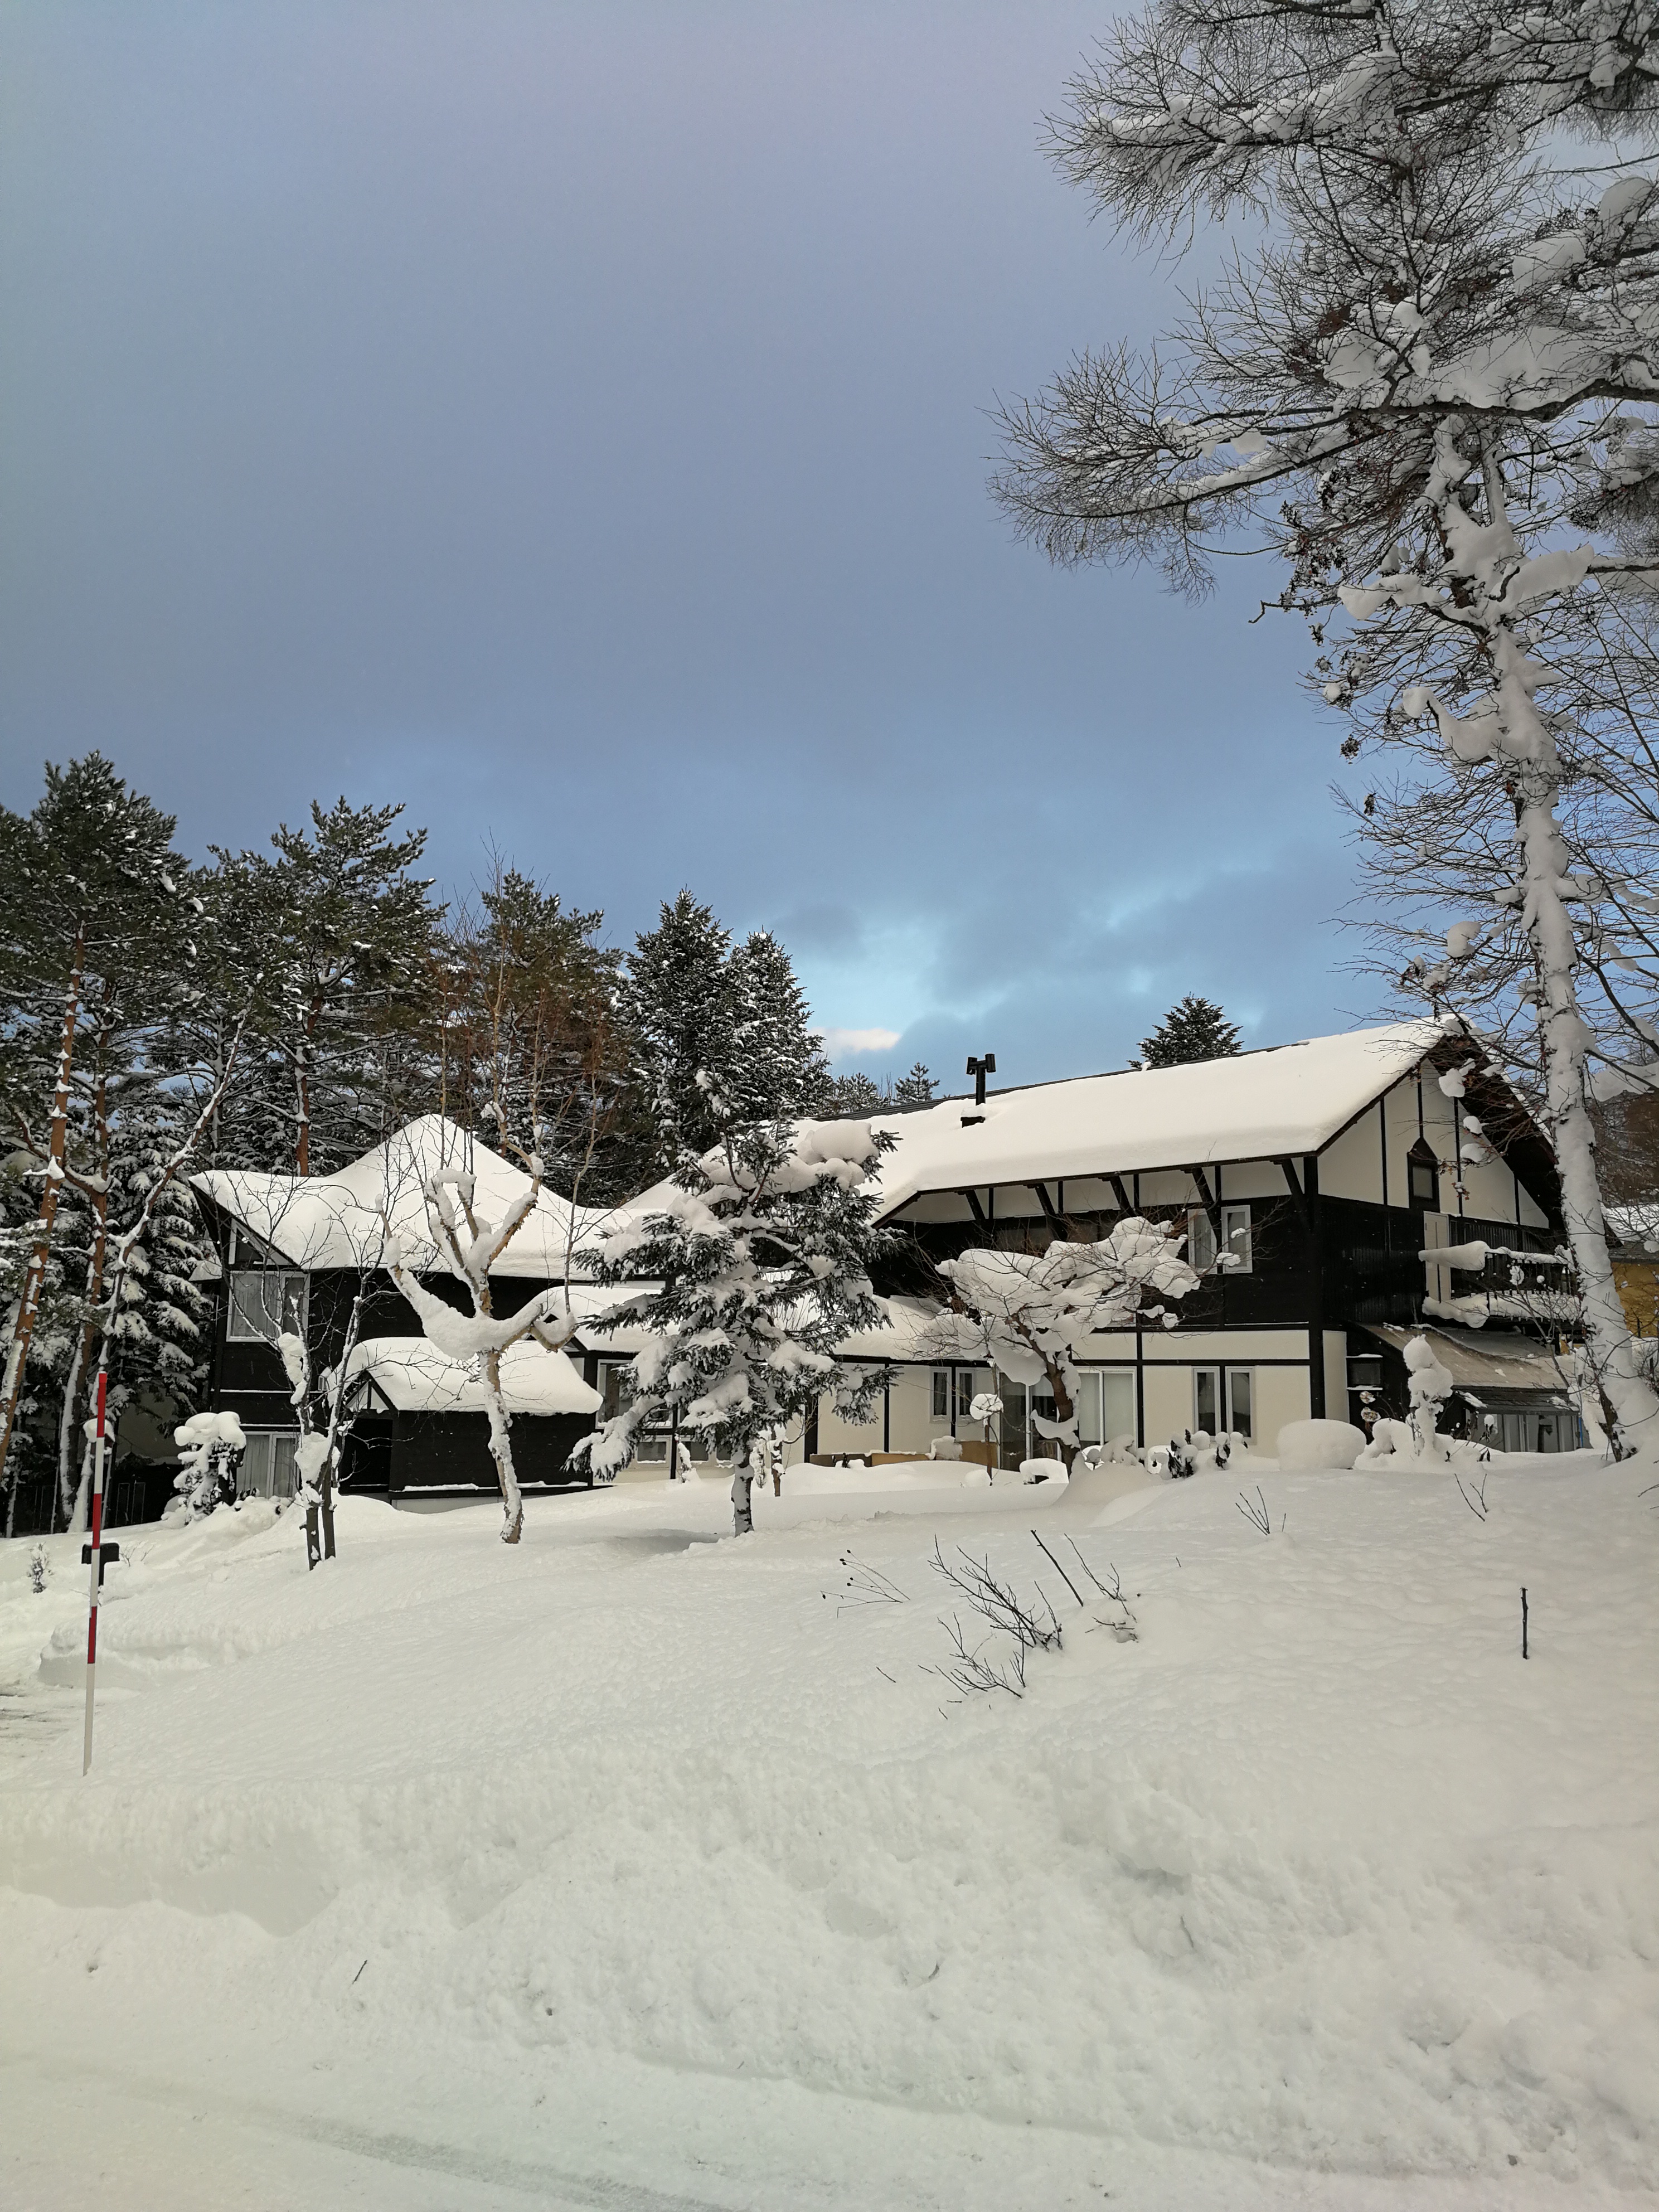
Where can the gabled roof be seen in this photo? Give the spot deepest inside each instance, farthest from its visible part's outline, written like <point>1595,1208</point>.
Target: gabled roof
<point>1291,1098</point>
<point>414,1377</point>
<point>340,1220</point>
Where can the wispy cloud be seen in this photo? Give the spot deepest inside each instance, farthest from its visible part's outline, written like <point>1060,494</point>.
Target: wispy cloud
<point>849,1044</point>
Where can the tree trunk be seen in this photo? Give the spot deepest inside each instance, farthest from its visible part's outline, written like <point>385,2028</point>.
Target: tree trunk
<point>1565,1036</point>
<point>302,1090</point>
<point>87,1340</point>
<point>743,1510</point>
<point>501,1451</point>
<point>28,1302</point>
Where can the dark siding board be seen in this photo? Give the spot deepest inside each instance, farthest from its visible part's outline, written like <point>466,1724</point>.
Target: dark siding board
<point>437,1450</point>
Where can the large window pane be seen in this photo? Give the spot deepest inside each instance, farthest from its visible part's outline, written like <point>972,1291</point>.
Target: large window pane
<point>1206,1398</point>
<point>1117,1406</point>
<point>1200,1240</point>
<point>1088,1410</point>
<point>266,1303</point>
<point>1240,1402</point>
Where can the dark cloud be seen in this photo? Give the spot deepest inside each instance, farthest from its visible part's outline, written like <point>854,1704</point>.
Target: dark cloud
<point>572,421</point>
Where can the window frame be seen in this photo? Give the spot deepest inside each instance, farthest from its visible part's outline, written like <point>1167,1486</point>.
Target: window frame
<point>1235,1428</point>
<point>1245,1256</point>
<point>1199,1425</point>
<point>1223,1376</point>
<point>283,1277</point>
<point>1421,1159</point>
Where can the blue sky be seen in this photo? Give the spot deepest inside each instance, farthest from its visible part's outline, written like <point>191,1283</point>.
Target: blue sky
<point>572,421</point>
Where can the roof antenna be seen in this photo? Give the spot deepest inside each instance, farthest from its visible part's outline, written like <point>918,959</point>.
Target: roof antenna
<point>979,1069</point>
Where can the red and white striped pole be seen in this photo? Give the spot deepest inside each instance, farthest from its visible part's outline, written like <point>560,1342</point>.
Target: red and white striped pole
<point>96,1548</point>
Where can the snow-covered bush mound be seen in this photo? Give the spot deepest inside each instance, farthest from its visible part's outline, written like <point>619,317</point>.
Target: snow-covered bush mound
<point>1306,1446</point>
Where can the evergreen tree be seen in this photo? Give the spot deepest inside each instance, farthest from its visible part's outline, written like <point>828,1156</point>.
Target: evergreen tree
<point>532,1052</point>
<point>1440,354</point>
<point>853,1094</point>
<point>343,931</point>
<point>763,1251</point>
<point>720,1032</point>
<point>917,1088</point>
<point>95,949</point>
<point>681,1008</point>
<point>1195,1030</point>
<point>777,1064</point>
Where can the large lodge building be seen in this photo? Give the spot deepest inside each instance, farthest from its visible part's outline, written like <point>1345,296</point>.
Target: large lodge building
<point>1327,1169</point>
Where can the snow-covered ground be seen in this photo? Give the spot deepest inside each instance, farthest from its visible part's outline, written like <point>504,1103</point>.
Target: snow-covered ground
<point>643,1868</point>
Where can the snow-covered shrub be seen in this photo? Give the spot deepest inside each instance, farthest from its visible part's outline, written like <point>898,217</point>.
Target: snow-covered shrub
<point>38,1570</point>
<point>1308,1447</point>
<point>211,1446</point>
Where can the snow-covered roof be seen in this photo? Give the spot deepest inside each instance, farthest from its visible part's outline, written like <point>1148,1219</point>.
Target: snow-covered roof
<point>1488,1362</point>
<point>1291,1098</point>
<point>916,1329</point>
<point>339,1220</point>
<point>416,1377</point>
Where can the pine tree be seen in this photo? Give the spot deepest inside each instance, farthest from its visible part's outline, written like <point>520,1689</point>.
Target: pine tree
<point>721,1033</point>
<point>343,931</point>
<point>534,1054</point>
<point>1440,354</point>
<point>917,1088</point>
<point>777,1064</point>
<point>763,1251</point>
<point>94,949</point>
<point>853,1095</point>
<point>680,1007</point>
<point>1195,1030</point>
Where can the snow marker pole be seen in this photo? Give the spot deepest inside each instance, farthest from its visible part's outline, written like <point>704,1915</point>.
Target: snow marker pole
<point>96,1548</point>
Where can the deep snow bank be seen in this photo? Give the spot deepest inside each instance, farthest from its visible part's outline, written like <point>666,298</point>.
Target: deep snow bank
<point>1316,1870</point>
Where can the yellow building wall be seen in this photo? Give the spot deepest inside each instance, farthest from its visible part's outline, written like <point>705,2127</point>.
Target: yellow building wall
<point>1638,1290</point>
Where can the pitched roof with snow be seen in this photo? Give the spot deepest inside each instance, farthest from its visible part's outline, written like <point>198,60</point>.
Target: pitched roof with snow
<point>341,1220</point>
<point>414,1377</point>
<point>1291,1098</point>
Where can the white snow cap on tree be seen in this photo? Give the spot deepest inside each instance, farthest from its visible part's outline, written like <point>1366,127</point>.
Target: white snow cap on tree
<point>1037,1309</point>
<point>208,1444</point>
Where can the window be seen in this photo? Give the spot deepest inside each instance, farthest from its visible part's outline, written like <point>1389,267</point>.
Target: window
<point>616,1395</point>
<point>1241,1402</point>
<point>1088,1410</point>
<point>1223,1399</point>
<point>267,1469</point>
<point>970,1380</point>
<point>615,1392</point>
<point>1235,1238</point>
<point>941,1405</point>
<point>1206,1398</point>
<point>1200,1240</point>
<point>266,1303</point>
<point>1117,1404</point>
<point>1422,1175</point>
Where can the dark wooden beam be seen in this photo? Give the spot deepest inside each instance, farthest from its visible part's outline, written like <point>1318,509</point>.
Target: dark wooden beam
<point>1287,1169</point>
<point>974,1207</point>
<point>1207,1199</point>
<point>1044,1200</point>
<point>1120,1193</point>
